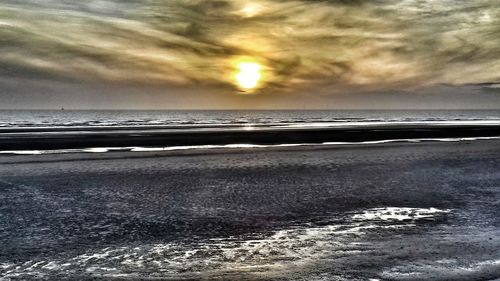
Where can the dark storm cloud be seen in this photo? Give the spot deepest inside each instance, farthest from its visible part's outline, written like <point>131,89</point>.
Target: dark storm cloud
<point>358,43</point>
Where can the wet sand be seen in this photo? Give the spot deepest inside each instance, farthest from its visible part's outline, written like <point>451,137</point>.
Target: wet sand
<point>426,211</point>
<point>74,138</point>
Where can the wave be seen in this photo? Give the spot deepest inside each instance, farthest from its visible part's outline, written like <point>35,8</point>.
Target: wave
<point>381,123</point>
<point>158,124</point>
<point>70,118</point>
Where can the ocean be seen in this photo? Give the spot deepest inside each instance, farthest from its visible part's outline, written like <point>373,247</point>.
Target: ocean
<point>222,118</point>
<point>70,131</point>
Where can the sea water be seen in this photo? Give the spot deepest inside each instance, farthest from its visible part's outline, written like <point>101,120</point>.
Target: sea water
<point>222,118</point>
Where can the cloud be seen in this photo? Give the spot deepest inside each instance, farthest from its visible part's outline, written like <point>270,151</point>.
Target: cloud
<point>376,44</point>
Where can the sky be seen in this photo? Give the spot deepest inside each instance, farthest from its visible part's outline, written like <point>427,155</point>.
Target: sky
<point>173,54</point>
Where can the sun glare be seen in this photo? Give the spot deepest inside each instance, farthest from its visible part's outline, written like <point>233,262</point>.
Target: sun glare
<point>248,75</point>
<point>251,10</point>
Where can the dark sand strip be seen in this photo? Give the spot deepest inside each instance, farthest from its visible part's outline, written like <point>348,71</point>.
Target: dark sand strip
<point>125,138</point>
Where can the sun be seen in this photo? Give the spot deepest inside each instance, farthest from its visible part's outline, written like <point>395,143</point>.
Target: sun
<point>248,75</point>
<point>251,10</point>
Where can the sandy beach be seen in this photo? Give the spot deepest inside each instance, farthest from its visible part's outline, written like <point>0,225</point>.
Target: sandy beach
<point>426,211</point>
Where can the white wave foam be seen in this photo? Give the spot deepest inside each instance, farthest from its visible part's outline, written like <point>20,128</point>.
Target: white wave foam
<point>381,123</point>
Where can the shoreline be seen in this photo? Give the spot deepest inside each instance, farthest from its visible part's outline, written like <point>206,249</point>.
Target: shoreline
<point>69,139</point>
